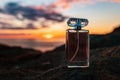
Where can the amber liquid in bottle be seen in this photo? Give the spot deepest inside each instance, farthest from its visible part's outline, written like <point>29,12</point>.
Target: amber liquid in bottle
<point>77,48</point>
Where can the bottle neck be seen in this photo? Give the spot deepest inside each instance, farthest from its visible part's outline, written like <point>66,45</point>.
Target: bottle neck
<point>77,28</point>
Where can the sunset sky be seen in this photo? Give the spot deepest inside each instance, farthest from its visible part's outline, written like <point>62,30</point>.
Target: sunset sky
<point>45,20</point>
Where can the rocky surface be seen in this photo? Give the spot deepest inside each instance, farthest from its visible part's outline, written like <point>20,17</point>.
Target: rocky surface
<point>104,64</point>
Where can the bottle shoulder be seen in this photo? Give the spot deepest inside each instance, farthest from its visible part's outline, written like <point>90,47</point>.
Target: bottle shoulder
<point>73,30</point>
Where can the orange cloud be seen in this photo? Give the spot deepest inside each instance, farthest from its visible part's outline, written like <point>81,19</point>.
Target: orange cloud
<point>65,4</point>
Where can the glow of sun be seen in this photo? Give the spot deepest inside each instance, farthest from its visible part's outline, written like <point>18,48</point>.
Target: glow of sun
<point>48,36</point>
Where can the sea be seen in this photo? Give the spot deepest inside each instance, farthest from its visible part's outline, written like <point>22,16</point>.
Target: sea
<point>32,43</point>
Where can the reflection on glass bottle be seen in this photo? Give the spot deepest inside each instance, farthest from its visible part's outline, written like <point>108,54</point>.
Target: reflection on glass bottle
<point>77,44</point>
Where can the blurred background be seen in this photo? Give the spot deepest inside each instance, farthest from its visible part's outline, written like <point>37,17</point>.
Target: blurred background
<point>41,24</point>
<point>32,38</point>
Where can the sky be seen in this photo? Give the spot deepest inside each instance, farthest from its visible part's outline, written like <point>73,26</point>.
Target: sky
<point>45,20</point>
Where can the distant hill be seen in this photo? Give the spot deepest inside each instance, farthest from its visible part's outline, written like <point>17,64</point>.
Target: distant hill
<point>107,40</point>
<point>15,54</point>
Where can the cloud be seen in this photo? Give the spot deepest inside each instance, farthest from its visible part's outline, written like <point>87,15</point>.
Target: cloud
<point>50,12</point>
<point>14,14</point>
<point>68,3</point>
<point>32,13</point>
<point>64,4</point>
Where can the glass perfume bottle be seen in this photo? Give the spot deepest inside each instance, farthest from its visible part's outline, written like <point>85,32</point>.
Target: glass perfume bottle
<point>77,44</point>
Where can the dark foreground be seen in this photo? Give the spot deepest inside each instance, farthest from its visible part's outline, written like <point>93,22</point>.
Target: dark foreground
<point>104,65</point>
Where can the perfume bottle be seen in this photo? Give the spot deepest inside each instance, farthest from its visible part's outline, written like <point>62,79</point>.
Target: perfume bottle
<point>77,44</point>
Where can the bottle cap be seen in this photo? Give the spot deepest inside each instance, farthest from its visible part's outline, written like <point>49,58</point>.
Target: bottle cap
<point>77,23</point>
